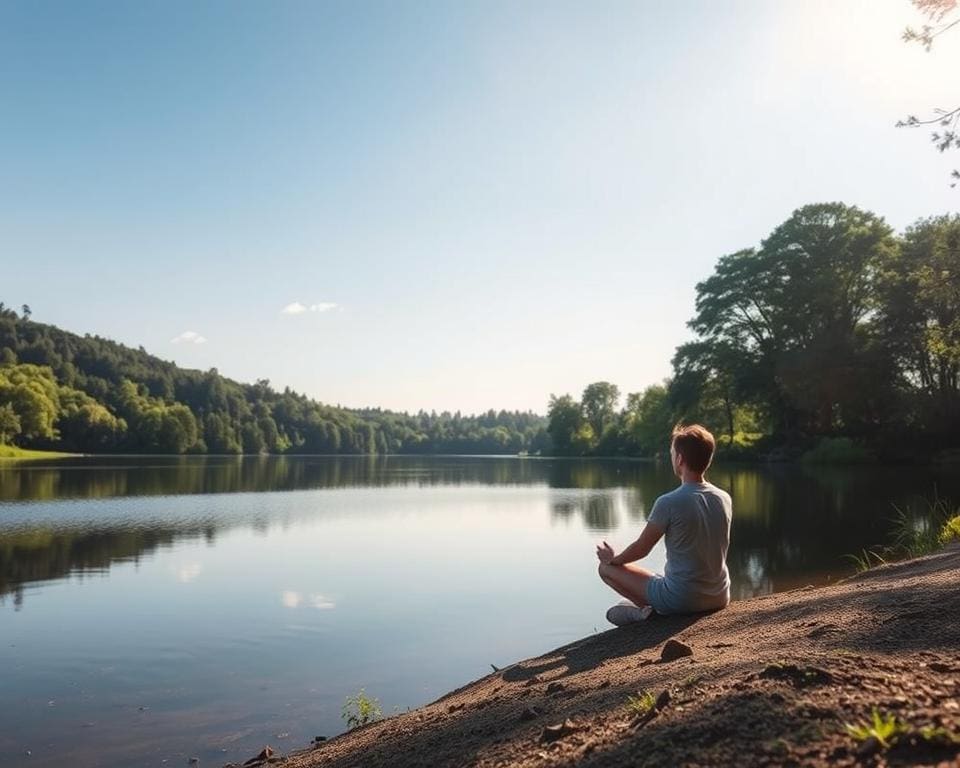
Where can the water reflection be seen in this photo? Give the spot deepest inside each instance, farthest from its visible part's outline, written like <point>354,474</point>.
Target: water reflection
<point>103,477</point>
<point>791,524</point>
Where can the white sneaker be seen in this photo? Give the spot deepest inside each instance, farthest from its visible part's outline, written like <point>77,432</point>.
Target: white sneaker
<point>626,612</point>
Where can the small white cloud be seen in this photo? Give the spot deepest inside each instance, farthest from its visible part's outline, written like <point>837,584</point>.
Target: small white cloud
<point>189,337</point>
<point>291,599</point>
<point>321,603</point>
<point>187,573</point>
<point>296,308</point>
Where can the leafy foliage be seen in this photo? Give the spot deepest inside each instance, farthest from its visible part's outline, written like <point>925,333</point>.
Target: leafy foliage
<point>950,531</point>
<point>947,134</point>
<point>360,709</point>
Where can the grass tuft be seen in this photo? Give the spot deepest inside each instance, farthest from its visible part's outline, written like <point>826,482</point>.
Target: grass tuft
<point>866,560</point>
<point>886,729</point>
<point>641,705</point>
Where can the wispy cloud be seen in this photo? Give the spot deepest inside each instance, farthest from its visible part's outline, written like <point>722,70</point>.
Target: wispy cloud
<point>298,308</point>
<point>187,573</point>
<point>189,337</point>
<point>291,599</point>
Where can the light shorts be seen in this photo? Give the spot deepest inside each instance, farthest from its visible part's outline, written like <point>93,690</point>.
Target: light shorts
<point>666,601</point>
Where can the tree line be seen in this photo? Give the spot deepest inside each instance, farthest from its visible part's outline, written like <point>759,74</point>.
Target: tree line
<point>65,392</point>
<point>836,336</point>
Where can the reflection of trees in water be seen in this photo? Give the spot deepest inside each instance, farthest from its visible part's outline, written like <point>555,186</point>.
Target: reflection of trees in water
<point>41,554</point>
<point>790,523</point>
<point>794,525</point>
<point>600,511</point>
<point>101,477</point>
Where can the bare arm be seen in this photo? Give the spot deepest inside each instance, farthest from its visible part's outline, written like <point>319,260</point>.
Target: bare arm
<point>649,536</point>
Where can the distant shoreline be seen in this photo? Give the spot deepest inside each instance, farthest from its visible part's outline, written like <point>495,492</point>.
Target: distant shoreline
<point>13,453</point>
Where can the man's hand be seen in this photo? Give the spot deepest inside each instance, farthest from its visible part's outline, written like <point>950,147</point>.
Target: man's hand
<point>605,553</point>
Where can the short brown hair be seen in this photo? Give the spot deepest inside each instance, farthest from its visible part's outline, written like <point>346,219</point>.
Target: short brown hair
<point>695,444</point>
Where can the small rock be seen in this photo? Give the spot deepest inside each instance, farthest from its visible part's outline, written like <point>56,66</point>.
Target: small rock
<point>554,688</point>
<point>532,681</point>
<point>674,649</point>
<point>319,738</point>
<point>937,666</point>
<point>193,761</point>
<point>530,713</point>
<point>604,684</point>
<point>869,747</point>
<point>555,732</point>
<point>662,700</point>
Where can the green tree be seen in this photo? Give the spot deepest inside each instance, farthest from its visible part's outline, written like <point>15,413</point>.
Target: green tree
<point>32,393</point>
<point>599,404</point>
<point>9,424</point>
<point>570,433</point>
<point>920,316</point>
<point>794,315</point>
<point>648,421</point>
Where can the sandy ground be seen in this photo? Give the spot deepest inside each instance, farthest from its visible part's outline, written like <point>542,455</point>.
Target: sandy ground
<point>771,681</point>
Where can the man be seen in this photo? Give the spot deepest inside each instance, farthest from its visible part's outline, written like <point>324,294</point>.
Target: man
<point>695,521</point>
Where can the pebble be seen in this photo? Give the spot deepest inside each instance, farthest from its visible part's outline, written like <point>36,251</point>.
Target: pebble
<point>662,700</point>
<point>674,649</point>
<point>558,731</point>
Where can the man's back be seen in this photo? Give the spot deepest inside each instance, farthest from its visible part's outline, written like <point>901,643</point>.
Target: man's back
<point>696,522</point>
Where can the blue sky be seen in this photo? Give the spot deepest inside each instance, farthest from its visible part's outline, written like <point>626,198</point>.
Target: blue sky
<point>476,204</point>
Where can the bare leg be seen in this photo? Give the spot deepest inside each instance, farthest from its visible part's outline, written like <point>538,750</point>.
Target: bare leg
<point>628,580</point>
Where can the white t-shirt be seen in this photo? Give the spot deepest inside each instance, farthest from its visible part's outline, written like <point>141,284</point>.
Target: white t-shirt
<point>696,522</point>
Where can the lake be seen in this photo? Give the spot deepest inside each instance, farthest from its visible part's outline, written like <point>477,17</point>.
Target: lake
<point>157,609</point>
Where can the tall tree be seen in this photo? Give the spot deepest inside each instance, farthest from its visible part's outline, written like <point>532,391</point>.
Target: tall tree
<point>599,403</point>
<point>920,315</point>
<point>793,314</point>
<point>567,425</point>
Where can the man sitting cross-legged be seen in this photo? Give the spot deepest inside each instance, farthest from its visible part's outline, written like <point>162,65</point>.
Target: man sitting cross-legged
<point>694,520</point>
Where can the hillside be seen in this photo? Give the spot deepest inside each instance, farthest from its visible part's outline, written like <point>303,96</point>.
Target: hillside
<point>61,391</point>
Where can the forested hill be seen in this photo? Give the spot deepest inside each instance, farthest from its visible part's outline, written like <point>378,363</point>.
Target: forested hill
<point>67,392</point>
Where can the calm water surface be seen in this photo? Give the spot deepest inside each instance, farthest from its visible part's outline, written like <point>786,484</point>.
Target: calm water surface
<point>153,609</point>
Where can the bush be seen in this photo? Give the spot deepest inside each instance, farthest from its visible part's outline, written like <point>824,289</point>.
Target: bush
<point>951,530</point>
<point>360,709</point>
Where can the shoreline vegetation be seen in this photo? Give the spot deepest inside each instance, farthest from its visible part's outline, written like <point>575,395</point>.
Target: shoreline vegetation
<point>863,671</point>
<point>833,341</point>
